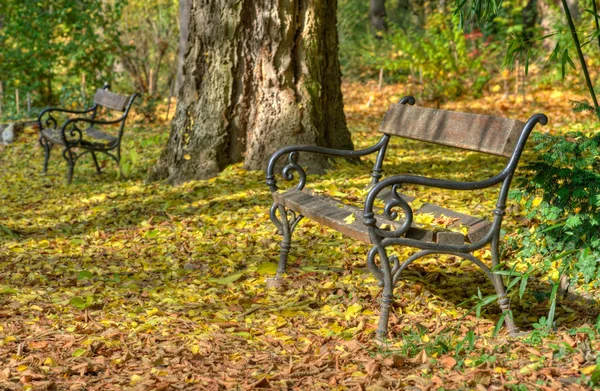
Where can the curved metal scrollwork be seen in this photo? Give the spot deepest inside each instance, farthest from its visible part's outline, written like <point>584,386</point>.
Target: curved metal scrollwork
<point>51,122</point>
<point>293,166</point>
<point>291,218</point>
<point>376,270</point>
<point>274,218</point>
<point>388,211</point>
<point>75,134</point>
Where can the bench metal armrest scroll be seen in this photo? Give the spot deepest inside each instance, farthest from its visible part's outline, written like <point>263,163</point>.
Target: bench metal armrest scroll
<point>293,165</point>
<point>51,121</point>
<point>395,182</point>
<point>76,134</point>
<point>396,200</point>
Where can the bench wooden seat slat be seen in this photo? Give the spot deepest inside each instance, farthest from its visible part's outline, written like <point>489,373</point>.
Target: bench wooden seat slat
<point>481,133</point>
<point>333,214</point>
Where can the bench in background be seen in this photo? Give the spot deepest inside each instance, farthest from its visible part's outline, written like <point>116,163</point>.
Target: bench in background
<point>85,133</point>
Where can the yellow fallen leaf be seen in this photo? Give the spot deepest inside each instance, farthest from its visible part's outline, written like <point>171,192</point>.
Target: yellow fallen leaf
<point>416,204</point>
<point>267,268</point>
<point>50,362</point>
<point>353,310</point>
<point>350,219</point>
<point>588,370</point>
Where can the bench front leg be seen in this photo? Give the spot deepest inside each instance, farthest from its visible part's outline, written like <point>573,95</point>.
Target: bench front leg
<point>387,295</point>
<point>503,299</point>
<point>47,145</point>
<point>286,223</point>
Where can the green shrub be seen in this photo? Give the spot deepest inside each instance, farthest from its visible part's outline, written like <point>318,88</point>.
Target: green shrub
<point>438,59</point>
<point>565,182</point>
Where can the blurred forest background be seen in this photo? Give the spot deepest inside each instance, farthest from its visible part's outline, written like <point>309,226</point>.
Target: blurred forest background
<point>70,48</point>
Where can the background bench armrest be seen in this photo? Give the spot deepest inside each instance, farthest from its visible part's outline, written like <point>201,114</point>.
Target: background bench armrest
<point>51,121</point>
<point>75,134</point>
<point>293,166</point>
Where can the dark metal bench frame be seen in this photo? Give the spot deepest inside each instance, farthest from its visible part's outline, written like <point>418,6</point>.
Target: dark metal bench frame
<point>390,269</point>
<point>71,136</point>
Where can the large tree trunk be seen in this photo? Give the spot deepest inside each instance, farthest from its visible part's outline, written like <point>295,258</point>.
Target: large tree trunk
<point>258,75</point>
<point>185,8</point>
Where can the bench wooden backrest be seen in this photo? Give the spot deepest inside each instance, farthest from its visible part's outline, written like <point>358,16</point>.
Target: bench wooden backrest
<point>481,133</point>
<point>111,100</point>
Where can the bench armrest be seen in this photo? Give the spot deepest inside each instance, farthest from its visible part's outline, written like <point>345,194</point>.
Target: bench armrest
<point>396,201</point>
<point>293,166</point>
<point>504,177</point>
<point>51,121</point>
<point>75,134</point>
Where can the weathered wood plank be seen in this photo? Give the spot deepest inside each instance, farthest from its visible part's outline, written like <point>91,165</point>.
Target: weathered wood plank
<point>332,214</point>
<point>482,133</point>
<point>111,100</point>
<point>477,226</point>
<point>450,238</point>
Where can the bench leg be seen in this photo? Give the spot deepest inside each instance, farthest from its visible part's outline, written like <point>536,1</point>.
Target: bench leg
<point>47,145</point>
<point>503,300</point>
<point>387,297</point>
<point>98,170</point>
<point>285,223</point>
<point>68,155</point>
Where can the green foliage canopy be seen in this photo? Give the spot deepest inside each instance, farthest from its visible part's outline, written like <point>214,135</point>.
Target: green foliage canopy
<point>45,43</point>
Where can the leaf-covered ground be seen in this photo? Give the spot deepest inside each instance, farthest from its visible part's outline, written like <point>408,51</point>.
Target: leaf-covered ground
<point>119,284</point>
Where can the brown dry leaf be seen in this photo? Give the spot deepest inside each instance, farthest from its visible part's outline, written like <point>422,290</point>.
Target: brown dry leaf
<point>394,361</point>
<point>448,362</point>
<point>373,367</point>
<point>422,357</point>
<point>262,383</point>
<point>482,377</point>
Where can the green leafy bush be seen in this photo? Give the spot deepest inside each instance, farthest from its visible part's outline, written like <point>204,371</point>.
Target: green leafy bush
<point>562,199</point>
<point>438,59</point>
<point>48,46</point>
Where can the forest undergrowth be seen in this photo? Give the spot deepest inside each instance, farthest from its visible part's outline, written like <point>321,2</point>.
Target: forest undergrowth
<point>113,283</point>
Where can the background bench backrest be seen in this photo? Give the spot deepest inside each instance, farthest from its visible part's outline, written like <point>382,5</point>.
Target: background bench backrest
<point>481,133</point>
<point>111,100</point>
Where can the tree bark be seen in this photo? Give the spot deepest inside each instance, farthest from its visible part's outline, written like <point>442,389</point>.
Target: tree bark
<point>530,16</point>
<point>258,75</point>
<point>185,8</point>
<point>377,14</point>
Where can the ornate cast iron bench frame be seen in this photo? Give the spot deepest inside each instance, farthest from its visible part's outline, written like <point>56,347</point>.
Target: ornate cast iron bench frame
<point>492,135</point>
<point>71,135</point>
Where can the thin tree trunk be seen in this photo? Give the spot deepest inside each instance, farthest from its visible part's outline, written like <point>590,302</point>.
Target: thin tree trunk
<point>377,14</point>
<point>185,7</point>
<point>530,13</point>
<point>595,8</point>
<point>581,58</point>
<point>258,75</point>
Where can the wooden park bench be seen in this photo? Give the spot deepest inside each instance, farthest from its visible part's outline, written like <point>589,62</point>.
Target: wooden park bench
<point>386,227</point>
<point>84,133</point>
